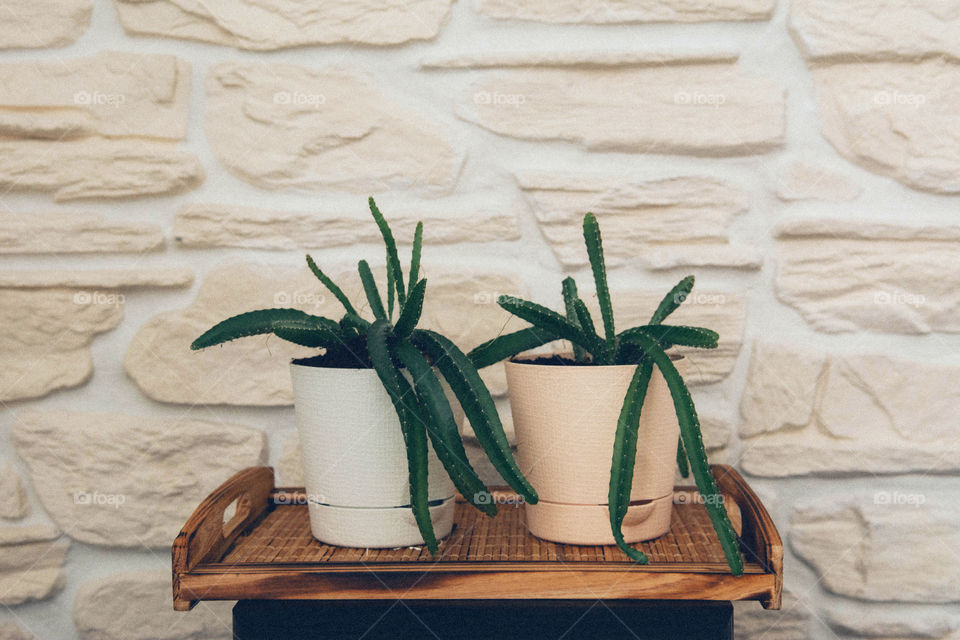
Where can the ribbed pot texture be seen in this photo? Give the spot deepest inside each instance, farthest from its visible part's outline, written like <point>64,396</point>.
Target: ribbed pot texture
<point>565,419</point>
<point>355,462</point>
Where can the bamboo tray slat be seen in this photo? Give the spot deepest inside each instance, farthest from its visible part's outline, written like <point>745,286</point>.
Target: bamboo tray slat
<point>265,551</point>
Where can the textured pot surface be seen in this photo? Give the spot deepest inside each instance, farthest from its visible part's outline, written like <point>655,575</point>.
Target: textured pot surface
<point>590,523</point>
<point>354,460</point>
<point>565,419</point>
<point>376,527</point>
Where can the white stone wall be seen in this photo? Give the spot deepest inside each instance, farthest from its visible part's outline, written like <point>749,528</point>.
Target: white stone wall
<point>165,163</point>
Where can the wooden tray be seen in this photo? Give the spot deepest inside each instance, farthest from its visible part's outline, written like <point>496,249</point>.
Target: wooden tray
<point>265,550</point>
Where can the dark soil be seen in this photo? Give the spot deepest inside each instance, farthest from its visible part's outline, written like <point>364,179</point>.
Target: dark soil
<point>554,360</point>
<point>333,361</point>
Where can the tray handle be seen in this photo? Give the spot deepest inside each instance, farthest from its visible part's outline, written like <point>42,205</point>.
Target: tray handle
<point>761,540</point>
<point>207,535</point>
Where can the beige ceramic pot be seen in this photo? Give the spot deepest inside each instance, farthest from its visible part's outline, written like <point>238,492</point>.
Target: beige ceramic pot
<point>565,419</point>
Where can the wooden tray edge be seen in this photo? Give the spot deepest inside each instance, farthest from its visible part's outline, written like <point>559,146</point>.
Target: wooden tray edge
<point>205,537</point>
<point>468,585</point>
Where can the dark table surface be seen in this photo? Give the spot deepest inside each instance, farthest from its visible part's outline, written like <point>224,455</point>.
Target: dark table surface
<point>482,620</point>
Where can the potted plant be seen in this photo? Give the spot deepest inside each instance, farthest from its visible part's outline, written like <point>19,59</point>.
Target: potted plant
<point>574,412</point>
<point>370,401</point>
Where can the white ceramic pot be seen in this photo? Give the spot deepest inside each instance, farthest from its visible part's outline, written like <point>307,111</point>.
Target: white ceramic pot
<point>355,462</point>
<point>565,419</point>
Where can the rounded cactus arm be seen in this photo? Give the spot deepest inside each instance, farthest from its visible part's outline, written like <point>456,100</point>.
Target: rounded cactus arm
<point>478,406</point>
<point>509,345</point>
<point>355,322</point>
<point>442,427</point>
<point>411,423</point>
<point>625,455</point>
<point>371,291</point>
<point>330,285</point>
<point>668,335</point>
<point>696,454</point>
<point>570,297</point>
<point>394,271</point>
<point>415,255</point>
<point>586,323</point>
<point>412,308</point>
<point>295,322</point>
<point>552,322</point>
<point>672,300</point>
<point>307,338</point>
<point>594,242</point>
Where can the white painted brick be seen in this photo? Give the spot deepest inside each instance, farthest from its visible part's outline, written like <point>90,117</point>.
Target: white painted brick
<point>839,275</point>
<point>33,24</point>
<point>136,606</point>
<point>74,232</point>
<point>896,119</point>
<point>864,30</point>
<point>807,413</point>
<point>850,541</point>
<point>658,258</point>
<point>281,125</point>
<point>681,213</point>
<point>14,504</point>
<point>45,344</point>
<point>791,622</point>
<point>10,629</point>
<point>114,93</point>
<point>781,388</point>
<point>97,168</point>
<point>203,225</point>
<point>265,26</point>
<point>884,621</point>
<point>594,58</point>
<point>626,11</point>
<point>129,481</point>
<point>811,180</point>
<point>289,468</point>
<point>707,110</point>
<point>96,279</point>
<point>31,563</point>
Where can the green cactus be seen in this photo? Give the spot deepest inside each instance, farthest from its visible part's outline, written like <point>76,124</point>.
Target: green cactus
<point>392,348</point>
<point>643,346</point>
